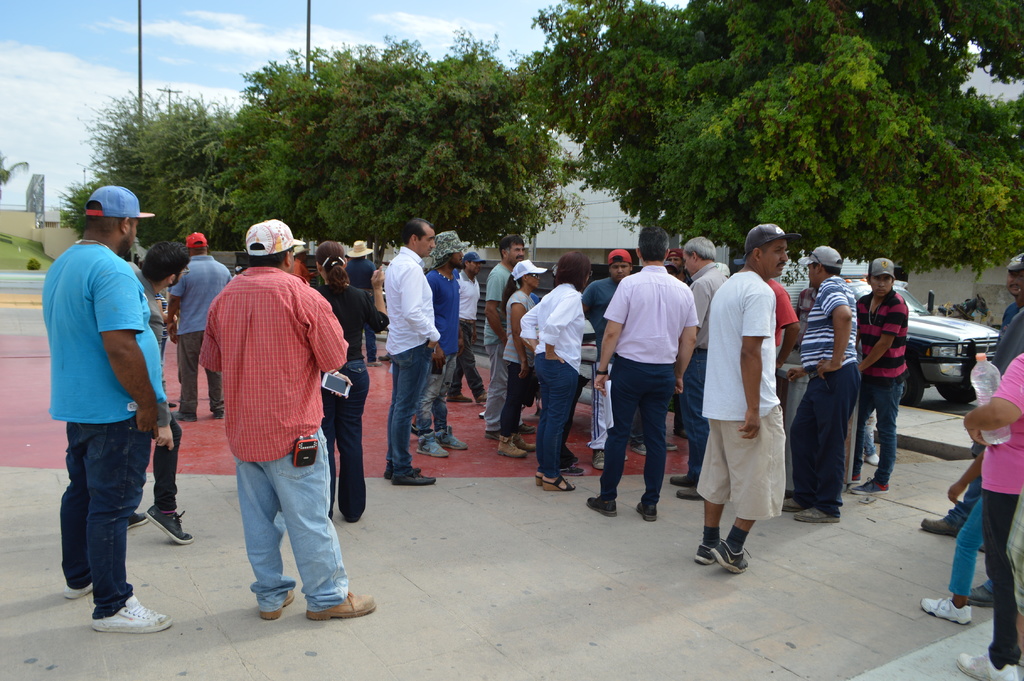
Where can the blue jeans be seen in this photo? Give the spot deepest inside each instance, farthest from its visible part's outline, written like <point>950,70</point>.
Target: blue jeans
<point>275,496</point>
<point>818,436</point>
<point>647,387</point>
<point>107,468</point>
<point>371,343</point>
<point>958,515</point>
<point>409,371</point>
<point>692,403</point>
<point>344,416</point>
<point>885,401</point>
<point>558,383</point>
<point>433,402</point>
<point>968,542</point>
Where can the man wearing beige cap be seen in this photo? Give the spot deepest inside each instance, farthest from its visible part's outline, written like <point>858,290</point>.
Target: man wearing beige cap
<point>829,358</point>
<point>272,336</point>
<point>360,270</point>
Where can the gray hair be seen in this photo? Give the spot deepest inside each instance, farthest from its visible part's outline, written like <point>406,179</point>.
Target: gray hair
<point>700,246</point>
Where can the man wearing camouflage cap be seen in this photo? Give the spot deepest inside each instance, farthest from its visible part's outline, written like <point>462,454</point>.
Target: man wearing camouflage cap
<point>444,287</point>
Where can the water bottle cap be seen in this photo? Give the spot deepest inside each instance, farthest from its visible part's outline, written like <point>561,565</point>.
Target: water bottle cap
<point>980,357</point>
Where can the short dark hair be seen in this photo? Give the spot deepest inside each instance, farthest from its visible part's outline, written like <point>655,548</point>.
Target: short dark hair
<point>415,227</point>
<point>653,243</point>
<point>507,242</point>
<point>164,259</point>
<point>272,260</point>
<point>831,269</point>
<point>573,268</point>
<point>100,223</point>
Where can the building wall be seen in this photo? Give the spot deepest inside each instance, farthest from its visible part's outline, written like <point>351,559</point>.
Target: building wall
<point>22,224</point>
<point>18,223</point>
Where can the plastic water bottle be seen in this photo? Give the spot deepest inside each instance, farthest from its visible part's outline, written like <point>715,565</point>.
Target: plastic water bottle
<point>985,378</point>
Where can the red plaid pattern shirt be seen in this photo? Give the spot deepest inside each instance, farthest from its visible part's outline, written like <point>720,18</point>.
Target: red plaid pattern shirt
<point>271,335</point>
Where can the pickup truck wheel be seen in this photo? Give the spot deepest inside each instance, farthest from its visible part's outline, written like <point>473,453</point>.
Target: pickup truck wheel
<point>914,389</point>
<point>958,393</point>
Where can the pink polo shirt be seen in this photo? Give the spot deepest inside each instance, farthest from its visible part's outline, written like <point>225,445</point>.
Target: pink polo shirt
<point>653,307</point>
<point>1002,469</point>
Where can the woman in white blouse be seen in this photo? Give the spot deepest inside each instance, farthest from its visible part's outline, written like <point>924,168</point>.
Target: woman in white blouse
<point>555,328</point>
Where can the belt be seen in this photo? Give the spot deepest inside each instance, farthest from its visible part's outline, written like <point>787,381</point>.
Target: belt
<point>700,349</point>
<point>468,321</point>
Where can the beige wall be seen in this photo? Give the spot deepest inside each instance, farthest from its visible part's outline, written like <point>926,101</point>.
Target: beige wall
<point>956,287</point>
<point>23,224</point>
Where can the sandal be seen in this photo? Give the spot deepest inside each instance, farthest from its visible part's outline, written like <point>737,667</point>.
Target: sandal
<point>559,485</point>
<point>539,479</point>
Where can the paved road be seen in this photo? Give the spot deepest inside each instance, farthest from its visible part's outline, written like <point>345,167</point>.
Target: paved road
<point>933,401</point>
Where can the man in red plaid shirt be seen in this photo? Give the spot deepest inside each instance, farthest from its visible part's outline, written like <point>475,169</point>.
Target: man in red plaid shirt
<point>272,335</point>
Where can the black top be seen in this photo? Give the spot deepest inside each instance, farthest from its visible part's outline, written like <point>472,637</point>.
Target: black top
<point>354,307</point>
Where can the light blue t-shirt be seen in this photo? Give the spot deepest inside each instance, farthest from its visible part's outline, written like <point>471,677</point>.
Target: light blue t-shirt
<point>596,298</point>
<point>205,279</point>
<point>89,290</point>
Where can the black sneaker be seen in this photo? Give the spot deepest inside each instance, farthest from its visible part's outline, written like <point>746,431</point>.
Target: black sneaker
<point>390,472</point>
<point>183,418</point>
<point>572,470</point>
<point>417,479</point>
<point>733,562</point>
<point>170,523</point>
<point>603,507</point>
<point>683,480</point>
<point>980,597</point>
<point>704,556</point>
<point>136,519</point>
<point>218,415</point>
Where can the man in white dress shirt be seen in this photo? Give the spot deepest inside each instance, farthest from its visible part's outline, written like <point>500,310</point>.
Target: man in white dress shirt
<point>411,340</point>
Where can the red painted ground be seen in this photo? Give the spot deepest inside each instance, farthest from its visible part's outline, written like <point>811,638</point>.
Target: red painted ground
<point>30,438</point>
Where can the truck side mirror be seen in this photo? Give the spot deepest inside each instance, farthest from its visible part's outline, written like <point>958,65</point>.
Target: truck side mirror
<point>931,302</point>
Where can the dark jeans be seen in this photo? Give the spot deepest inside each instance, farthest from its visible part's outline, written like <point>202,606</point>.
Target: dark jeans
<point>107,468</point>
<point>513,407</point>
<point>343,424</point>
<point>692,402</point>
<point>818,436</point>
<point>566,457</point>
<point>189,345</point>
<point>885,401</point>
<point>371,343</point>
<point>467,365</point>
<point>558,381</point>
<point>997,520</point>
<point>165,471</point>
<point>409,372</point>
<point>647,387</point>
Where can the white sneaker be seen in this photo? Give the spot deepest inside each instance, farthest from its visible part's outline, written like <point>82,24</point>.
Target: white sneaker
<point>133,618</point>
<point>944,608</point>
<point>72,594</point>
<point>980,667</point>
<point>872,459</point>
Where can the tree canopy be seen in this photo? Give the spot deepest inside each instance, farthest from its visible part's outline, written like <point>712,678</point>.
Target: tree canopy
<point>377,136</point>
<point>9,171</point>
<point>845,121</point>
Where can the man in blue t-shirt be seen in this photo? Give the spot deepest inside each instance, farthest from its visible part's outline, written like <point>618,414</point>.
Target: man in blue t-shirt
<point>360,271</point>
<point>828,354</point>
<point>105,383</point>
<point>445,289</point>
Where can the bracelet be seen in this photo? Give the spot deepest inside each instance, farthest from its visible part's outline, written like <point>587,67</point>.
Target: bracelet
<point>602,373</point>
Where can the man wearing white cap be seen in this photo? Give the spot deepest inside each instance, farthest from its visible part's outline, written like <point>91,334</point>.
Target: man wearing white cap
<point>272,335</point>
<point>828,354</point>
<point>105,383</point>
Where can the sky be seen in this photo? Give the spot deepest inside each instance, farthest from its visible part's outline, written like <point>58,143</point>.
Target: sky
<point>62,61</point>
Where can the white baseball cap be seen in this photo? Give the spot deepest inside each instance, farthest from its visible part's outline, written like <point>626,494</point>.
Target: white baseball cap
<point>269,237</point>
<point>524,267</point>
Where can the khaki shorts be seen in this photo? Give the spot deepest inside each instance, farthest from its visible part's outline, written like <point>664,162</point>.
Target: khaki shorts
<point>749,473</point>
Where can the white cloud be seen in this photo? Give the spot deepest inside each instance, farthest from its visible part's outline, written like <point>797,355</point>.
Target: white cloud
<point>49,99</point>
<point>175,61</point>
<point>234,34</point>
<point>431,30</point>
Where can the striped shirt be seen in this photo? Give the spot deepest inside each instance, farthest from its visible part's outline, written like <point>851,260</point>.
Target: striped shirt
<point>819,339</point>
<point>889,318</point>
<point>271,335</point>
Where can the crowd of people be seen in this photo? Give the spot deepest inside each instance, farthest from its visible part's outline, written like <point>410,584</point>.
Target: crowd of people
<point>680,332</point>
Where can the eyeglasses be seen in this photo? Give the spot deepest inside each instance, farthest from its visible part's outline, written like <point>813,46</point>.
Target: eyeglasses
<point>183,272</point>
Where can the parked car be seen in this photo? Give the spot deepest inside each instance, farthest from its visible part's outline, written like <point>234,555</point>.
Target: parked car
<point>940,350</point>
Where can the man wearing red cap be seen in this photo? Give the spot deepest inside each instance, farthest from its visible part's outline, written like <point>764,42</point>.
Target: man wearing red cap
<point>186,323</point>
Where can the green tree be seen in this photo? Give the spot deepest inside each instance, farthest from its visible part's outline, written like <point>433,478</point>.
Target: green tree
<point>9,171</point>
<point>171,158</point>
<point>376,137</point>
<point>845,121</point>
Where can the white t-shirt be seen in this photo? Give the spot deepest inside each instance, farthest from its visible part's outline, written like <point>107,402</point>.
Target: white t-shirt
<point>469,297</point>
<point>743,306</point>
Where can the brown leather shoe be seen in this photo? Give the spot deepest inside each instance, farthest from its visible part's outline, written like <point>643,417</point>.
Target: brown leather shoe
<point>354,606</point>
<point>522,444</point>
<point>481,398</point>
<point>459,398</point>
<point>275,614</point>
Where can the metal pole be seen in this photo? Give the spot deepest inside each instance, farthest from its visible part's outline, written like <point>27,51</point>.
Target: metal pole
<point>309,12</point>
<point>140,59</point>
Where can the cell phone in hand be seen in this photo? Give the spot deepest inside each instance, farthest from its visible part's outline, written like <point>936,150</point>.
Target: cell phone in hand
<point>336,383</point>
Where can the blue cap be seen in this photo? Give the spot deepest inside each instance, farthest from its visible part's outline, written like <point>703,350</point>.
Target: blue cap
<point>472,256</point>
<point>116,202</point>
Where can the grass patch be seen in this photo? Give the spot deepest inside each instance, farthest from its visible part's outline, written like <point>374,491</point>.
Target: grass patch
<point>16,251</point>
